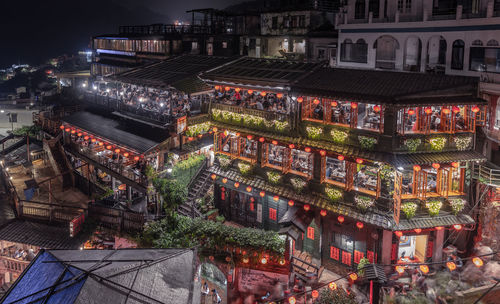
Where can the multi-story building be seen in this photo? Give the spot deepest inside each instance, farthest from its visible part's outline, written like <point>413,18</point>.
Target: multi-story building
<point>421,36</point>
<point>346,163</point>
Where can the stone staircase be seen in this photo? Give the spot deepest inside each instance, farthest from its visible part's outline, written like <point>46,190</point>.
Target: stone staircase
<point>59,161</point>
<point>197,189</point>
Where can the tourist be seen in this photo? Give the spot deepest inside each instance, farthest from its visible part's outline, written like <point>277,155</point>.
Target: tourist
<point>205,291</point>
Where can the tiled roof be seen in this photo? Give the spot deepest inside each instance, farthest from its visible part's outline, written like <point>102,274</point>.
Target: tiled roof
<point>179,72</point>
<point>260,72</point>
<point>436,157</point>
<point>317,200</point>
<point>383,86</point>
<point>430,222</point>
<point>112,130</point>
<point>38,234</point>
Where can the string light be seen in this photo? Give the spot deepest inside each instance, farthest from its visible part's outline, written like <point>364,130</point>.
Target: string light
<point>263,261</point>
<point>292,300</point>
<point>315,294</point>
<point>332,286</point>
<point>451,265</point>
<point>457,227</point>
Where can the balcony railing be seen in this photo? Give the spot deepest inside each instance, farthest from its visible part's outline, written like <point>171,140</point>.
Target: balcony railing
<point>252,118</point>
<point>487,175</point>
<point>14,265</point>
<point>122,169</point>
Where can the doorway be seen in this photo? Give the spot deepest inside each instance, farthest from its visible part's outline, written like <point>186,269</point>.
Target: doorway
<point>412,248</point>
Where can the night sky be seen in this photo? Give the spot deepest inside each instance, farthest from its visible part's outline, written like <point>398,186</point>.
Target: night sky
<point>32,31</point>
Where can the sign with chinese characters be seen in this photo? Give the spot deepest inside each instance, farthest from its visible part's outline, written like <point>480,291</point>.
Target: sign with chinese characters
<point>181,124</point>
<point>398,180</point>
<point>76,225</point>
<point>259,213</point>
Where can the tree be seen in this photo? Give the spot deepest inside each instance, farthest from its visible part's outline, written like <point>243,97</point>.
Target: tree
<point>337,296</point>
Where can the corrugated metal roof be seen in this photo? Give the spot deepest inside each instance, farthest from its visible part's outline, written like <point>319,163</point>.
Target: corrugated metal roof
<point>260,72</point>
<point>38,234</point>
<point>112,130</point>
<point>179,72</point>
<point>113,276</point>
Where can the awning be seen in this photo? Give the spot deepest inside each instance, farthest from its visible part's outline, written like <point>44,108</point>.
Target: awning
<point>297,217</point>
<point>431,222</point>
<point>401,160</point>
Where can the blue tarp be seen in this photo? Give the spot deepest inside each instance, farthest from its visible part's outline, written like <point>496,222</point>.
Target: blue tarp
<point>37,280</point>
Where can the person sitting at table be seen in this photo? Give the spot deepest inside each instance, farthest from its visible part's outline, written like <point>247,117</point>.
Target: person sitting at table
<point>329,170</point>
<point>225,148</point>
<point>259,105</point>
<point>318,112</point>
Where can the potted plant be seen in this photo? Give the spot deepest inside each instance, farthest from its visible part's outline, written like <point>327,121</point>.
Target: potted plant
<point>273,177</point>
<point>409,209</point>
<point>224,161</point>
<point>298,184</point>
<point>334,194</point>
<point>363,202</point>
<point>457,205</point>
<point>434,206</point>
<point>245,168</point>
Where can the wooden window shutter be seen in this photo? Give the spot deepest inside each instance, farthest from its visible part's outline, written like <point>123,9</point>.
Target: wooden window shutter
<point>370,256</point>
<point>358,255</point>
<point>346,258</point>
<point>310,233</point>
<point>430,248</point>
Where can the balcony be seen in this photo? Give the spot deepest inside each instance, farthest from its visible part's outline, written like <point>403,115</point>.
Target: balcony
<point>252,118</point>
<point>487,175</point>
<point>14,265</point>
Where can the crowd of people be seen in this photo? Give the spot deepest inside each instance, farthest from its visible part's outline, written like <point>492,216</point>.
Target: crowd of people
<point>161,105</point>
<point>20,254</point>
<point>254,100</point>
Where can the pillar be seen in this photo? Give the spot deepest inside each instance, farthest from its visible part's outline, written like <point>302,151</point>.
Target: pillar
<point>437,251</point>
<point>129,193</point>
<point>386,249</point>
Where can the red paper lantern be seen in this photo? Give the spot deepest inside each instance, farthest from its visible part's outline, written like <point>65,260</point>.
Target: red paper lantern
<point>455,164</point>
<point>93,140</point>
<point>316,101</point>
<point>224,180</point>
<point>101,143</point>
<point>245,260</point>
<point>227,88</point>
<point>238,134</point>
<point>262,194</point>
<point>340,157</point>
<point>79,134</point>
<point>360,225</point>
<point>376,109</point>
<point>263,93</point>
<point>73,131</point>
<point>292,300</point>
<point>424,269</point>
<point>353,276</point>
<point>341,219</point>
<point>322,152</point>
<point>249,137</point>
<point>314,294</point>
<point>428,111</point>
<point>237,90</point>
<point>359,160</point>
<point>274,142</point>
<point>190,138</point>
<point>282,261</point>
<point>400,269</point>
<point>300,99</point>
<point>136,158</point>
<point>214,129</point>
<point>439,228</point>
<point>217,87</point>
<point>354,105</point>
<point>334,103</point>
<point>263,261</point>
<point>61,127</point>
<point>323,212</point>
<point>446,111</point>
<point>213,176</point>
<point>250,92</point>
<point>291,203</point>
<point>411,112</point>
<point>332,286</point>
<point>418,230</point>
<point>455,109</point>
<point>307,149</point>
<point>276,198</point>
<point>236,185</point>
<point>398,233</point>
<point>291,146</point>
<point>262,139</point>
<point>249,189</point>
<point>457,227</point>
<point>477,262</point>
<point>436,166</point>
<point>451,265</point>
<point>307,207</point>
<point>417,168</point>
<point>475,109</point>
<point>279,95</point>
<point>67,129</point>
<point>126,154</point>
<point>117,150</point>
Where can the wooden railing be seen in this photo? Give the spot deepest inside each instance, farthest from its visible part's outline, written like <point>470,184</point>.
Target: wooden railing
<point>14,265</point>
<point>487,175</point>
<point>268,116</point>
<point>47,211</point>
<point>117,218</point>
